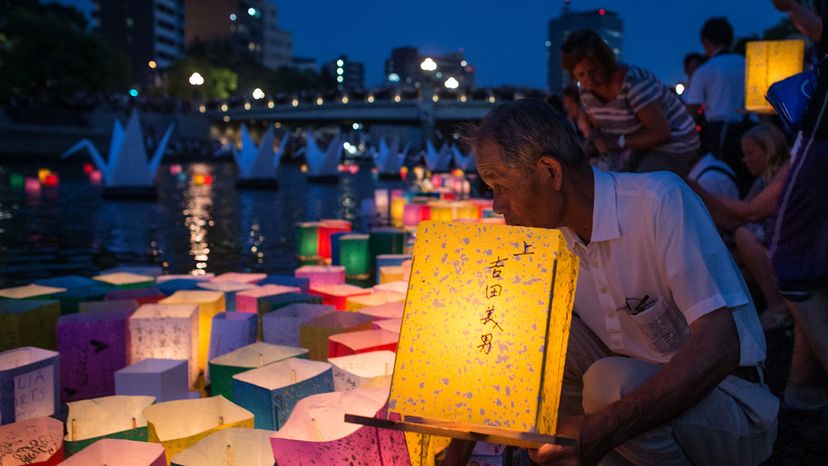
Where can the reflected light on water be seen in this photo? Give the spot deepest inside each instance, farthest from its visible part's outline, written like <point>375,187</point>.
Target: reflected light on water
<point>256,243</point>
<point>198,202</point>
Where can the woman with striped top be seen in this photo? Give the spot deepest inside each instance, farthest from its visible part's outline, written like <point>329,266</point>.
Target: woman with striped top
<point>629,108</point>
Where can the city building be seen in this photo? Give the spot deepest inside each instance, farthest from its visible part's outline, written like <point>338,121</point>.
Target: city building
<point>87,7</point>
<point>606,23</point>
<point>251,26</point>
<point>305,64</point>
<point>404,69</point>
<point>349,75</point>
<point>150,33</point>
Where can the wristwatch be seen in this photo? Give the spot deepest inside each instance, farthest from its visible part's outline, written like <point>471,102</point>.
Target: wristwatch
<point>621,141</point>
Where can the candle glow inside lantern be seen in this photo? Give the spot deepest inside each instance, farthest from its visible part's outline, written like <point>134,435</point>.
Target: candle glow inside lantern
<point>28,384</point>
<point>228,447</point>
<point>177,425</point>
<point>328,228</point>
<point>307,240</point>
<point>322,274</point>
<point>165,331</point>
<point>37,441</point>
<point>381,204</point>
<point>248,300</point>
<point>223,368</point>
<point>384,260</point>
<point>338,295</point>
<point>391,274</point>
<point>126,280</point>
<point>362,370</point>
<point>282,327</point>
<point>354,255</point>
<point>209,304</point>
<point>272,391</point>
<point>498,301</point>
<point>116,417</point>
<point>364,341</point>
<point>28,322</point>
<point>120,452</point>
<point>397,211</point>
<point>413,214</point>
<point>766,62</point>
<point>314,333</point>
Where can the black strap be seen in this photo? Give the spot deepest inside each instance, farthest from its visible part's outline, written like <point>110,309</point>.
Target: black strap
<point>714,168</point>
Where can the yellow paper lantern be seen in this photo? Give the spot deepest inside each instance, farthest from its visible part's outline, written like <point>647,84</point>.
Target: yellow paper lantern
<point>442,211</point>
<point>392,273</point>
<point>498,300</point>
<point>376,298</point>
<point>397,211</point>
<point>769,61</point>
<point>209,304</point>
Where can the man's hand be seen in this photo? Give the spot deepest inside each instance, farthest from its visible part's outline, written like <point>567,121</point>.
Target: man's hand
<point>602,142</point>
<point>590,444</point>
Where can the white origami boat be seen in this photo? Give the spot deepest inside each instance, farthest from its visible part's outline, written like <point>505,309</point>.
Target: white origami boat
<point>437,161</point>
<point>323,166</point>
<point>127,173</point>
<point>389,160</point>
<point>258,165</point>
<point>467,163</point>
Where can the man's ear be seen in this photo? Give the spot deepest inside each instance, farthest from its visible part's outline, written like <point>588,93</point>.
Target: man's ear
<point>552,168</point>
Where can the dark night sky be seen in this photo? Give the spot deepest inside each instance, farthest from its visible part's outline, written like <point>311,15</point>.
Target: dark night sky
<point>503,39</point>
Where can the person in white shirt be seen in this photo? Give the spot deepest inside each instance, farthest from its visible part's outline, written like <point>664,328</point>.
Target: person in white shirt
<point>715,177</point>
<point>718,86</point>
<point>665,349</point>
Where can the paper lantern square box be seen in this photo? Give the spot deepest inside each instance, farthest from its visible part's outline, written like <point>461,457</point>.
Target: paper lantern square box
<point>498,301</point>
<point>364,341</point>
<point>337,295</point>
<point>28,384</point>
<point>66,281</point>
<point>148,295</point>
<point>248,447</point>
<point>30,292</point>
<point>385,311</point>
<point>151,270</point>
<point>236,277</point>
<point>354,255</point>
<point>230,290</point>
<point>28,322</point>
<point>363,370</point>
<point>126,280</point>
<point>181,276</point>
<point>287,280</point>
<point>231,331</point>
<point>322,274</point>
<point>766,62</point>
<point>163,379</point>
<point>115,417</point>
<point>115,305</point>
<point>397,286</point>
<point>272,391</point>
<point>120,452</point>
<point>92,346</point>
<point>209,304</point>
<point>37,441</point>
<point>223,368</point>
<point>170,287</point>
<point>375,298</point>
<point>281,327</point>
<point>389,260</point>
<point>248,300</point>
<point>314,333</point>
<point>391,325</point>
<point>165,331</point>
<point>71,299</point>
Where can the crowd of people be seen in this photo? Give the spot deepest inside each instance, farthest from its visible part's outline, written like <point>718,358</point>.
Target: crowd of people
<point>667,346</point>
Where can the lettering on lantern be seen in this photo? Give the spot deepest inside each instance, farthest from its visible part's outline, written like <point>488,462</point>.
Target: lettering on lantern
<point>25,444</point>
<point>34,394</point>
<point>493,291</point>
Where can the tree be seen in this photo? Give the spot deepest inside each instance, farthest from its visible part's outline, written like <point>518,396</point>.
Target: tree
<point>219,83</point>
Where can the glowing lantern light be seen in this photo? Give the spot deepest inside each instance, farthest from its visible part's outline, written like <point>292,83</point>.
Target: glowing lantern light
<point>249,447</point>
<point>198,180</point>
<point>769,61</point>
<point>35,369</point>
<point>177,425</point>
<point>112,417</point>
<point>42,173</point>
<point>413,214</point>
<point>96,177</point>
<point>230,290</point>
<point>314,333</point>
<point>328,228</point>
<point>271,391</point>
<point>419,172</point>
<point>16,180</point>
<point>209,304</point>
<point>391,273</point>
<point>376,298</point>
<point>28,322</point>
<point>304,167</point>
<point>382,204</point>
<point>442,211</point>
<point>166,331</point>
<point>497,271</point>
<point>208,180</point>
<point>282,327</point>
<point>88,168</point>
<point>393,310</point>
<point>365,341</point>
<point>354,255</point>
<point>162,379</point>
<point>122,452</point>
<point>397,211</point>
<point>307,240</point>
<point>383,260</point>
<point>403,172</point>
<point>32,185</point>
<point>223,368</point>
<point>316,430</point>
<point>37,441</point>
<point>175,169</point>
<point>322,274</point>
<point>362,370</point>
<point>337,295</point>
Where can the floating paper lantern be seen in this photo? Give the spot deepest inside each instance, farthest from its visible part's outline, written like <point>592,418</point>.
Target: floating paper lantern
<point>51,180</point>
<point>322,274</point>
<point>177,425</point>
<point>383,260</point>
<point>503,324</point>
<point>326,229</point>
<point>398,286</point>
<point>282,327</point>
<point>413,214</point>
<point>42,173</point>
<point>209,304</point>
<point>166,331</point>
<point>16,180</point>
<point>375,298</point>
<point>316,430</point>
<point>149,295</point>
<point>162,379</point>
<point>37,441</point>
<point>344,344</point>
<point>271,391</point>
<point>115,305</point>
<point>30,292</point>
<point>442,211</point>
<point>28,384</point>
<point>248,447</point>
<point>231,331</point>
<point>387,241</point>
<point>314,333</point>
<point>223,368</point>
<point>236,277</point>
<point>119,452</point>
<point>32,185</point>
<point>385,311</point>
<point>115,417</point>
<point>172,276</point>
<point>354,255</point>
<point>766,62</point>
<point>66,281</point>
<point>71,299</point>
<point>382,204</point>
<point>170,287</point>
<point>363,370</point>
<point>392,325</point>
<point>391,274</point>
<point>397,211</point>
<point>248,300</point>
<point>307,240</point>
<point>337,295</point>
<point>335,247</point>
<point>28,322</point>
<point>228,288</point>
<point>286,280</point>
<point>96,177</point>
<point>92,346</point>
<point>126,280</point>
<point>467,211</point>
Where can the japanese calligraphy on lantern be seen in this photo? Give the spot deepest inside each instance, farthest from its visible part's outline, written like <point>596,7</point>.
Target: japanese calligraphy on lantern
<point>485,326</point>
<point>34,393</point>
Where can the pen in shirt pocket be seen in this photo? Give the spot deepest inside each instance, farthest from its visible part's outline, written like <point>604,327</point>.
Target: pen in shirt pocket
<point>635,305</point>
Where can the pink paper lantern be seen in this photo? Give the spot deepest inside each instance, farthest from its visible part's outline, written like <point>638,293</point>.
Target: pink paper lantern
<point>248,300</point>
<point>32,185</point>
<point>96,177</point>
<point>413,214</point>
<point>365,341</point>
<point>337,295</point>
<point>322,274</point>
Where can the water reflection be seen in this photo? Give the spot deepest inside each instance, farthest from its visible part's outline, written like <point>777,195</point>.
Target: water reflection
<point>198,199</point>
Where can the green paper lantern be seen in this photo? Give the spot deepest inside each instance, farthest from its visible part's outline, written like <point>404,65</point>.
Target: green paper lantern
<point>354,255</point>
<point>307,240</point>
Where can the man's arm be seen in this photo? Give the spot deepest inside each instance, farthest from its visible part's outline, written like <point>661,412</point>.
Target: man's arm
<point>710,353</point>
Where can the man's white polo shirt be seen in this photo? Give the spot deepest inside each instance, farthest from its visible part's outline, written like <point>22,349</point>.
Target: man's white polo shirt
<point>652,237</point>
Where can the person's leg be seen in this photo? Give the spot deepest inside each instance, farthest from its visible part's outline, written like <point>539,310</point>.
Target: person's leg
<point>583,350</point>
<point>812,315</point>
<point>754,256</point>
<point>806,388</point>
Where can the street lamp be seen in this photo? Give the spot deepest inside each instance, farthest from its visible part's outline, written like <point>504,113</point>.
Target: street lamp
<point>196,79</point>
<point>428,64</point>
<point>258,94</point>
<point>451,83</point>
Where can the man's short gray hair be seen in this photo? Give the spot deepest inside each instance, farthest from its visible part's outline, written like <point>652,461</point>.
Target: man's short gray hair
<point>525,130</point>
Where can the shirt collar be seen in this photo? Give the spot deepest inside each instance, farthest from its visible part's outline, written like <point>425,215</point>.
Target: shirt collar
<point>604,211</point>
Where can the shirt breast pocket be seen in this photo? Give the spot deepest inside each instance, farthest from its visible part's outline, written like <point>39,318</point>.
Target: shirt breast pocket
<point>662,326</point>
